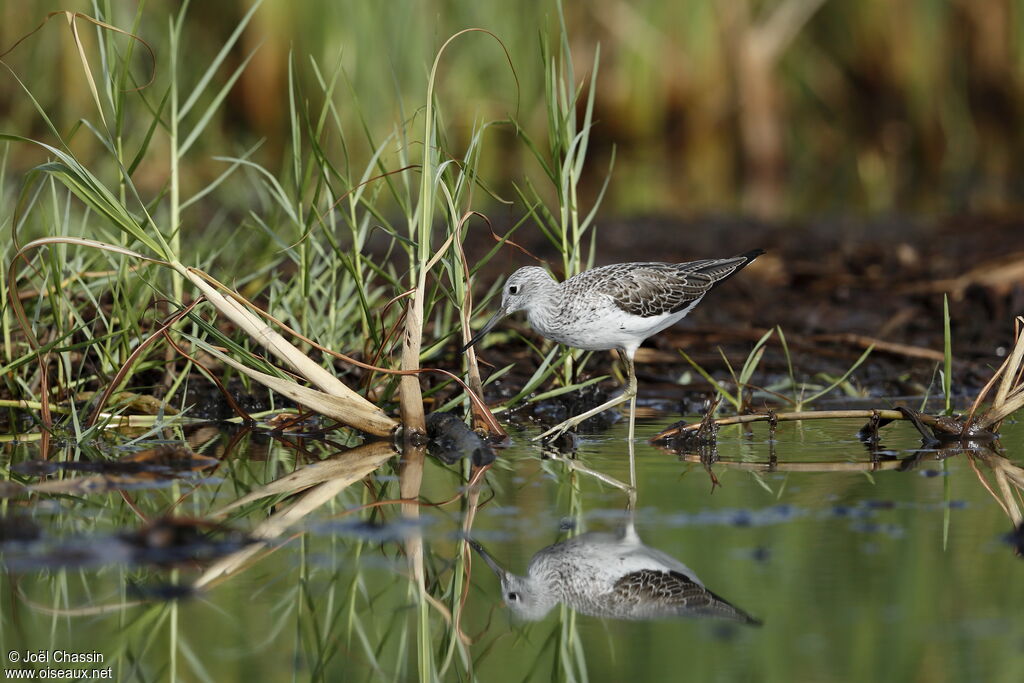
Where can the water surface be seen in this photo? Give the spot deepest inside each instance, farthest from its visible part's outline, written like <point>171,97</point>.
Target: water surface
<point>884,565</point>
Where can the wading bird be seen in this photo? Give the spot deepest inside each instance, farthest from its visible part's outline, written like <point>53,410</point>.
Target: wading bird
<point>611,307</point>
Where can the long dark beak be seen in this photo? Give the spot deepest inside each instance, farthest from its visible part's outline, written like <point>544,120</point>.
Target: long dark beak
<point>495,319</point>
<point>491,562</point>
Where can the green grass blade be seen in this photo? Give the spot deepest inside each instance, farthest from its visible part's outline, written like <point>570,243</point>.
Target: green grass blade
<point>711,380</point>
<point>947,356</point>
<point>200,87</point>
<point>836,383</point>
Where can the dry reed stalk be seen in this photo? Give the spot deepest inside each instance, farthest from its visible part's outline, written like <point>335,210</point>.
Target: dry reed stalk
<point>1010,394</point>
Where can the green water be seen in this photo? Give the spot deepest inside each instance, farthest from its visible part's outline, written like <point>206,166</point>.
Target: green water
<point>858,575</point>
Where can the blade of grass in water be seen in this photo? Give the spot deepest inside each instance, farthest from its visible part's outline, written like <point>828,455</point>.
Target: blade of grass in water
<point>947,490</point>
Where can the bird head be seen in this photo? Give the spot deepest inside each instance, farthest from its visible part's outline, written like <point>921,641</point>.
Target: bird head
<point>521,290</point>
<point>525,600</point>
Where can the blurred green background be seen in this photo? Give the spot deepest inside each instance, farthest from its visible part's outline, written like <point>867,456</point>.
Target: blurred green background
<point>771,108</point>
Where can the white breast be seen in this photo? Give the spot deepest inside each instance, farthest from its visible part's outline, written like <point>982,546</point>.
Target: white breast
<point>597,328</point>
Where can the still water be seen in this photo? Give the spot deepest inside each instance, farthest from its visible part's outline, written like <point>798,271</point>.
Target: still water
<point>301,560</point>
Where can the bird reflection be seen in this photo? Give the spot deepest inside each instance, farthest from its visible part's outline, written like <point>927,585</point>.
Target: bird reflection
<point>612,575</point>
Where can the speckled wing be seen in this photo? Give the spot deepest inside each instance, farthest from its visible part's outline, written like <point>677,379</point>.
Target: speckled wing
<point>651,289</point>
<point>651,593</point>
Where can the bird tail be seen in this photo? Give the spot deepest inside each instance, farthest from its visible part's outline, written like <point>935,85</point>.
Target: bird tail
<point>723,269</point>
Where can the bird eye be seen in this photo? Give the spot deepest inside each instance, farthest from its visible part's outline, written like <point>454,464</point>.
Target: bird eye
<point>513,597</point>
<point>513,289</point>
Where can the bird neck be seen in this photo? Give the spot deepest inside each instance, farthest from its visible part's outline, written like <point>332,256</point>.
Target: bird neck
<point>544,592</point>
<point>543,310</point>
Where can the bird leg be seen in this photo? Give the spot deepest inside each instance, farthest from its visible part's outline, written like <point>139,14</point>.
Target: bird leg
<point>632,455</point>
<point>628,393</point>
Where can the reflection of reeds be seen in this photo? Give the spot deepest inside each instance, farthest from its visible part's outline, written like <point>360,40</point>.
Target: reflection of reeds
<point>570,655</point>
<point>321,483</point>
<point>410,481</point>
<point>835,466</point>
<point>1009,481</point>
